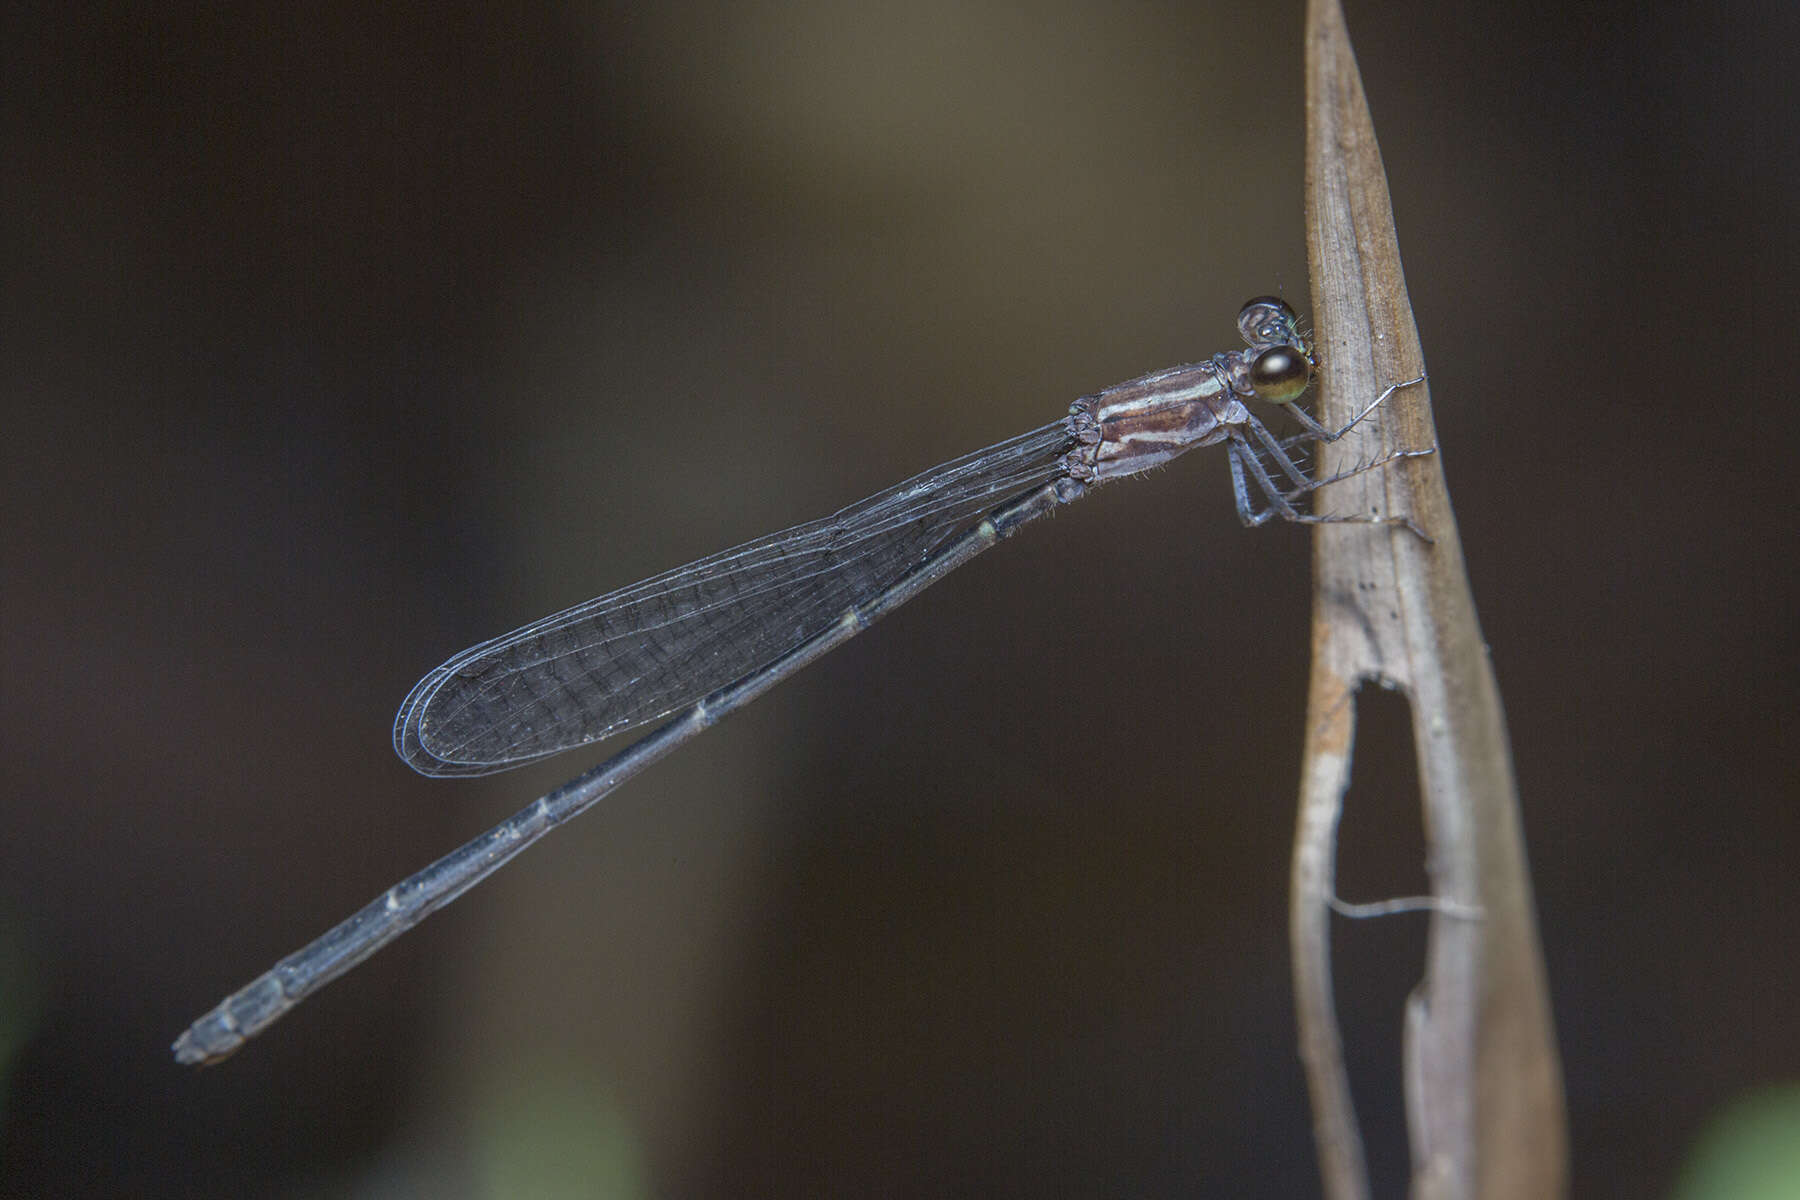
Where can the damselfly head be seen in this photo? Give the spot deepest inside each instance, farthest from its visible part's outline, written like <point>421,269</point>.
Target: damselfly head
<point>1283,363</point>
<point>1282,360</point>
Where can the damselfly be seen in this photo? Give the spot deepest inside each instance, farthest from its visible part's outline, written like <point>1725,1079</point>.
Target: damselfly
<point>707,638</point>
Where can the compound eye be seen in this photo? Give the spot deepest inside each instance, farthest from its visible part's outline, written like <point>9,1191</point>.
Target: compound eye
<point>1280,374</point>
<point>1266,319</point>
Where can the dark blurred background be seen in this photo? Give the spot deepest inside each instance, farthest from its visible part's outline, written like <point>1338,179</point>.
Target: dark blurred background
<point>338,338</point>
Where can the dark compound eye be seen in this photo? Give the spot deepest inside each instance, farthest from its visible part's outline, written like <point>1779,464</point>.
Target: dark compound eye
<point>1280,374</point>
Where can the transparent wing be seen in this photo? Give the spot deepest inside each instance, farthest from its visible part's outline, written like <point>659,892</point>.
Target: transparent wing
<point>644,651</point>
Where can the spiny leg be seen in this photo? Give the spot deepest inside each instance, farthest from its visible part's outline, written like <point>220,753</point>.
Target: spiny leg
<point>1278,453</point>
<point>1384,460</point>
<point>1316,432</point>
<point>1247,466</point>
<point>1240,490</point>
